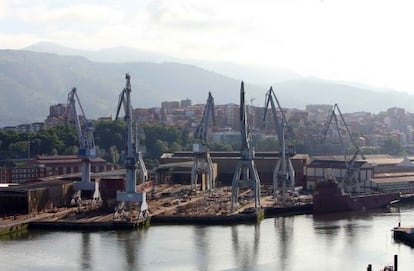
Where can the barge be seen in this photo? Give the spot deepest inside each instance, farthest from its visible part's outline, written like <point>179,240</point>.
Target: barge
<point>329,198</point>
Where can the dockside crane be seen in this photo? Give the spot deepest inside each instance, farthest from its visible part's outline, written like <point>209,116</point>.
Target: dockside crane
<point>202,161</point>
<point>87,149</point>
<point>140,135</point>
<point>284,173</point>
<point>245,174</point>
<point>350,182</point>
<point>132,155</point>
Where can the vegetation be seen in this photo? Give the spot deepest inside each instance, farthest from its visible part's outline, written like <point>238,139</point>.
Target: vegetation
<point>110,139</point>
<point>157,139</point>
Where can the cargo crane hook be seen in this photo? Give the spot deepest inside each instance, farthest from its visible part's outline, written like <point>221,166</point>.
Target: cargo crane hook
<point>350,182</point>
<point>202,161</point>
<point>284,171</point>
<point>87,149</point>
<point>131,195</point>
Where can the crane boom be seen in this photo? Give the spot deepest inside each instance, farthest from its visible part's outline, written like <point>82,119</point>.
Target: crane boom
<point>84,127</point>
<point>207,119</point>
<point>284,170</point>
<point>278,118</point>
<point>246,150</point>
<point>350,180</point>
<point>87,149</point>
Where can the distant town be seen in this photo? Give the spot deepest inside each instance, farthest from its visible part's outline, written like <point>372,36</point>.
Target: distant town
<point>394,127</point>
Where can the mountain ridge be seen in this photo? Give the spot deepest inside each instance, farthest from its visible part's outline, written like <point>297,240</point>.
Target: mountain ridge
<point>30,82</point>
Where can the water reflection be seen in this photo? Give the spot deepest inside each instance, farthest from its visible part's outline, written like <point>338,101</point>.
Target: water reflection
<point>245,252</point>
<point>284,228</point>
<point>201,244</point>
<point>347,228</point>
<point>15,235</point>
<point>341,241</point>
<point>129,242</point>
<point>85,250</point>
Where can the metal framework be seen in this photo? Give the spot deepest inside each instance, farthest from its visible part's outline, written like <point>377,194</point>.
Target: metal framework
<point>132,157</point>
<point>245,174</point>
<point>284,173</point>
<point>139,135</point>
<point>203,164</point>
<point>350,182</point>
<point>87,149</point>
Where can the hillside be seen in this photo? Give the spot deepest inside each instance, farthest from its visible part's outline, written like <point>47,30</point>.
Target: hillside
<point>252,74</point>
<point>299,93</point>
<point>30,82</point>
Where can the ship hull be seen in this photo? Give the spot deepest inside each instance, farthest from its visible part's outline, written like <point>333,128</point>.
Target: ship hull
<point>328,198</point>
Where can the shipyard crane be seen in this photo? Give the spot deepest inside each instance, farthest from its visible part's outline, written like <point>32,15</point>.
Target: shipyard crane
<point>87,149</point>
<point>245,174</point>
<point>132,157</point>
<point>202,161</point>
<point>139,137</point>
<point>283,173</point>
<point>350,181</point>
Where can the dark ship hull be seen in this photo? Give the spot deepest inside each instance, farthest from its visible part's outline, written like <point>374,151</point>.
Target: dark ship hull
<point>328,198</point>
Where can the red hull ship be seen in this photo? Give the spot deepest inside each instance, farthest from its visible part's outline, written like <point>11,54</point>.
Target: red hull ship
<point>328,198</point>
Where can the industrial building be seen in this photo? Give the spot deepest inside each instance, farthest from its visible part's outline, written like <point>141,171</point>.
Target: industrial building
<point>176,167</point>
<point>32,198</point>
<point>50,165</point>
<point>375,172</point>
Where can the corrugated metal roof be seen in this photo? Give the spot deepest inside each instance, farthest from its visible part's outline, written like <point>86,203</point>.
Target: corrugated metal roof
<point>401,179</point>
<point>32,186</point>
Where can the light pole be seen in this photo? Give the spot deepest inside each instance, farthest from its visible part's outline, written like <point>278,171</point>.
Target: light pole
<point>29,136</point>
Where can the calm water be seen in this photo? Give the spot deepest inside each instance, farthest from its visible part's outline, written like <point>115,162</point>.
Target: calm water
<point>345,242</point>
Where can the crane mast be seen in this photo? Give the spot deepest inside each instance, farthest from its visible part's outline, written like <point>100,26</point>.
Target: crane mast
<point>87,149</point>
<point>245,174</point>
<point>284,172</point>
<point>139,135</point>
<point>350,182</point>
<point>132,157</point>
<point>202,161</point>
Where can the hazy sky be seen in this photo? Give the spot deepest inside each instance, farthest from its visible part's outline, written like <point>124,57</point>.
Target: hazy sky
<point>363,41</point>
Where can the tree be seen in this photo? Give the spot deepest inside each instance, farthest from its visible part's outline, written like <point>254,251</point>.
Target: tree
<point>110,133</point>
<point>160,147</point>
<point>174,147</point>
<point>391,146</point>
<point>162,138</point>
<point>220,146</point>
<point>267,144</point>
<point>18,149</point>
<point>113,150</point>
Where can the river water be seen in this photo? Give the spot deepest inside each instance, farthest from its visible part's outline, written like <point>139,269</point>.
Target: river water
<point>347,241</point>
